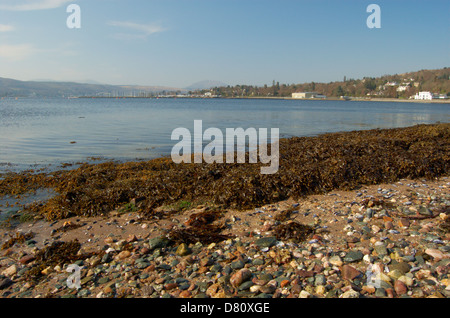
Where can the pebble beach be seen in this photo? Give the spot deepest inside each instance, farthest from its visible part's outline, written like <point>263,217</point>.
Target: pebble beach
<point>379,241</point>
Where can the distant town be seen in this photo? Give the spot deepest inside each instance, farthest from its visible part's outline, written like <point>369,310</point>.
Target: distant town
<point>424,85</point>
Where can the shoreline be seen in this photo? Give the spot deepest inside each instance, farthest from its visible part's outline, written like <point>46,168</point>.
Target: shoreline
<point>366,99</point>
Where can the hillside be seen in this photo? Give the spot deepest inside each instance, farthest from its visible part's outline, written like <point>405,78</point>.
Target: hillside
<point>15,88</point>
<point>389,86</point>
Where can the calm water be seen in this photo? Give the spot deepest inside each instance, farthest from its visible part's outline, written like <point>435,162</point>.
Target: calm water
<point>40,132</point>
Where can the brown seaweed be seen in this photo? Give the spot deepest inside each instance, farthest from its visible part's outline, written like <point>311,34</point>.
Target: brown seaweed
<point>200,228</point>
<point>58,253</point>
<point>19,238</point>
<point>292,231</point>
<point>308,165</point>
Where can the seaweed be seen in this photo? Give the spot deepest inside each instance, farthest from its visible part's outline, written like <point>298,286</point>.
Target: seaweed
<point>292,231</point>
<point>19,238</point>
<point>58,253</point>
<point>200,228</point>
<point>285,214</point>
<point>308,165</point>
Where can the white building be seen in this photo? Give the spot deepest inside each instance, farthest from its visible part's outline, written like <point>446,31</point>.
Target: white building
<point>303,95</point>
<point>402,88</point>
<point>424,96</point>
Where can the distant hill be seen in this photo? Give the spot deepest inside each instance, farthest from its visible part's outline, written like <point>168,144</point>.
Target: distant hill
<point>206,85</point>
<point>16,88</point>
<point>402,86</point>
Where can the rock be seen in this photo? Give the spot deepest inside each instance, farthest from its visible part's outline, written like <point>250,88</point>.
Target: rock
<point>380,292</point>
<point>123,255</point>
<point>240,276</point>
<point>5,283</point>
<point>335,260</point>
<point>425,211</point>
<point>402,267</point>
<point>27,259</point>
<point>369,289</point>
<point>245,285</point>
<point>321,290</point>
<point>320,280</point>
<point>350,294</point>
<point>158,242</point>
<point>170,286</point>
<point>353,256</point>
<point>183,250</point>
<point>237,264</point>
<point>381,250</point>
<point>400,287</point>
<point>132,238</point>
<point>266,241</point>
<point>436,254</point>
<point>304,294</point>
<point>349,272</point>
<point>395,274</point>
<point>403,222</point>
<point>304,274</point>
<point>10,271</point>
<point>212,290</point>
<point>408,281</point>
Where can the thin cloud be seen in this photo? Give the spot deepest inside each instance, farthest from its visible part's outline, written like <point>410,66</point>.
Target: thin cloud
<point>31,5</point>
<point>16,52</point>
<point>143,30</point>
<point>6,28</point>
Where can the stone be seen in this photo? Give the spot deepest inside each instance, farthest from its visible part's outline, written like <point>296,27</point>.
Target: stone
<point>304,294</point>
<point>395,274</point>
<point>381,250</point>
<point>349,272</point>
<point>245,285</point>
<point>425,211</point>
<point>304,274</point>
<point>400,287</point>
<point>350,294</point>
<point>321,290</point>
<point>237,264</point>
<point>266,241</point>
<point>158,242</point>
<point>10,271</point>
<point>240,276</point>
<point>380,292</point>
<point>212,290</point>
<point>183,250</point>
<point>408,281</point>
<point>436,254</point>
<point>27,259</point>
<point>5,283</point>
<point>353,256</point>
<point>123,255</point>
<point>402,267</point>
<point>320,280</point>
<point>369,289</point>
<point>335,260</point>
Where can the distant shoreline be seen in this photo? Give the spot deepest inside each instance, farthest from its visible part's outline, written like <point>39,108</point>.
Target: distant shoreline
<point>362,99</point>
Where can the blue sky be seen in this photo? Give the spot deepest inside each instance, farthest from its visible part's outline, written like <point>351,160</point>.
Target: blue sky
<point>179,42</point>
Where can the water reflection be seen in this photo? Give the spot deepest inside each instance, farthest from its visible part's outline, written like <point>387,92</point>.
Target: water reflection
<point>52,131</point>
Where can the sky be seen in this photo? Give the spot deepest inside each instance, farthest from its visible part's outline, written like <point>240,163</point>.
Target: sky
<point>179,42</point>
